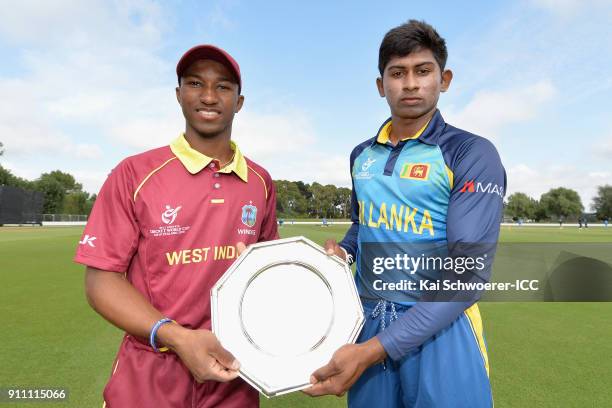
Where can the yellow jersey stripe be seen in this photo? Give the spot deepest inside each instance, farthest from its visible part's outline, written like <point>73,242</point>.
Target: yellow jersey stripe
<point>473,315</point>
<point>450,175</point>
<point>262,180</point>
<point>217,200</point>
<point>150,174</point>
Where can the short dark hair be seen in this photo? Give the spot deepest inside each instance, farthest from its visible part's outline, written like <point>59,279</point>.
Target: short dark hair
<point>410,37</point>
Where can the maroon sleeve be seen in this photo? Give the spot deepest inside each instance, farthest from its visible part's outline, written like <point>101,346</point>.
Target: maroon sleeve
<point>269,226</point>
<point>111,235</point>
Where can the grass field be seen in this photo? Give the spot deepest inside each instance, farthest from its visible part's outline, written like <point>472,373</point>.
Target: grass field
<point>542,354</point>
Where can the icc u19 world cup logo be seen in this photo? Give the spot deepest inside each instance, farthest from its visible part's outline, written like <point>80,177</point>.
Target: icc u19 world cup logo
<point>170,214</point>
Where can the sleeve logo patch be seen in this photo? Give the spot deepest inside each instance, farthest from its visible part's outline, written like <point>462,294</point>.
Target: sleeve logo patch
<point>473,186</point>
<point>415,171</point>
<point>88,240</point>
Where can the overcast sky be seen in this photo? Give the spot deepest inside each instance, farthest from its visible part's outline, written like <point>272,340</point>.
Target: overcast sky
<point>86,83</point>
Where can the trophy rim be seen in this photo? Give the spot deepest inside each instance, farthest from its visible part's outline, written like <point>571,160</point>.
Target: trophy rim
<point>349,293</point>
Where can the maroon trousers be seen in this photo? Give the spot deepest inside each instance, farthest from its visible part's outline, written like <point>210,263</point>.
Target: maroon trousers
<point>144,378</point>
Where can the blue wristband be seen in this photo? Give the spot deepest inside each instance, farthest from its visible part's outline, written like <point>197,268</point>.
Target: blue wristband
<point>154,333</point>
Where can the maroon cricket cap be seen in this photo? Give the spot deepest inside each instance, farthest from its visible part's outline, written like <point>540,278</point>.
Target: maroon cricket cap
<point>211,52</point>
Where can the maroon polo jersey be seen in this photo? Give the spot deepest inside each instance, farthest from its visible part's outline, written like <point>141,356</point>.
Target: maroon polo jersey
<point>170,219</point>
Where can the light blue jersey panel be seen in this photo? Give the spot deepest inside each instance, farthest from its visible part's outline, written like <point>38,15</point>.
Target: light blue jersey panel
<point>402,194</point>
<point>400,206</point>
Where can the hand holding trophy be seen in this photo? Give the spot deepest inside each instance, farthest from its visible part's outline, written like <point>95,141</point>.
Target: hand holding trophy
<point>283,308</point>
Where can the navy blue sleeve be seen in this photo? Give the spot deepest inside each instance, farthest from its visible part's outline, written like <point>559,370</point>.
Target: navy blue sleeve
<point>349,242</point>
<point>473,221</point>
<point>476,202</point>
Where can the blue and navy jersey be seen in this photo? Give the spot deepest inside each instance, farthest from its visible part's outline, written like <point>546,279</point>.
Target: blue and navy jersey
<point>441,187</point>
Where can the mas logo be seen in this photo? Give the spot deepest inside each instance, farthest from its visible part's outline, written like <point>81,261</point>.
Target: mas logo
<point>170,214</point>
<point>249,214</point>
<point>415,171</point>
<point>468,187</point>
<point>473,186</point>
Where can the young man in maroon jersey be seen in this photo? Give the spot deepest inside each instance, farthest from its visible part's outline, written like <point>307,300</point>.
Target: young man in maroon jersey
<point>166,225</point>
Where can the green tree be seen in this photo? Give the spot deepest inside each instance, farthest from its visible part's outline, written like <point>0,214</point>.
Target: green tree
<point>54,193</point>
<point>289,199</point>
<point>561,202</point>
<point>61,191</point>
<point>90,203</point>
<point>539,213</point>
<point>76,202</point>
<point>602,202</point>
<point>296,198</point>
<point>65,179</point>
<point>319,202</point>
<point>1,149</point>
<point>304,190</point>
<point>8,179</point>
<point>520,205</point>
<point>343,201</point>
<point>331,202</point>
<point>56,185</point>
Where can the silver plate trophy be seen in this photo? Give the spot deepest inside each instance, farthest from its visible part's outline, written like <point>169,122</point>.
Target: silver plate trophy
<point>283,308</point>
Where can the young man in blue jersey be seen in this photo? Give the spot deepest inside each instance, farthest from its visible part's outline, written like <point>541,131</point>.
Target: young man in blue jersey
<point>420,187</point>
